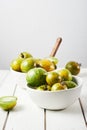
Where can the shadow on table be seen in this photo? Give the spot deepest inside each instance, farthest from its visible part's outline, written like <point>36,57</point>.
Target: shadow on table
<point>18,108</point>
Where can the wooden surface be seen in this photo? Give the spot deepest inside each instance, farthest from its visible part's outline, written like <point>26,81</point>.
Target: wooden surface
<point>27,116</point>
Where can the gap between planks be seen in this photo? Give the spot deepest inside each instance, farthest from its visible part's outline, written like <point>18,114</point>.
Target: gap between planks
<point>44,119</point>
<point>83,111</point>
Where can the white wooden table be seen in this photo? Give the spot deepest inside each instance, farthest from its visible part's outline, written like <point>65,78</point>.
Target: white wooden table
<point>27,116</point>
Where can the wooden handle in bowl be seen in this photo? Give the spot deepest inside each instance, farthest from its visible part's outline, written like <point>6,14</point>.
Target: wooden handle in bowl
<point>56,46</point>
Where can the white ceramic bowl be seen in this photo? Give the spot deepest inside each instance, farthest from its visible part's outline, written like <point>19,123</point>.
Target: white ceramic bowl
<point>19,77</point>
<point>56,100</point>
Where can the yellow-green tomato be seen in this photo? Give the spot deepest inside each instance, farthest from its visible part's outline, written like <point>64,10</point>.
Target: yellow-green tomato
<point>58,86</point>
<point>8,102</point>
<point>70,84</point>
<point>48,87</point>
<point>52,77</point>
<point>40,88</point>
<point>44,87</point>
<point>36,77</point>
<point>16,63</point>
<point>46,64</point>
<point>53,59</point>
<point>24,55</point>
<point>73,67</point>
<point>65,74</point>
<point>27,64</point>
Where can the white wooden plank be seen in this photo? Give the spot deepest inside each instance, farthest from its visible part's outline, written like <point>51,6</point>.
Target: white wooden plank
<point>7,88</point>
<point>68,119</point>
<point>83,75</point>
<point>3,74</point>
<point>20,78</point>
<point>84,105</point>
<point>26,115</point>
<point>9,83</point>
<point>3,114</point>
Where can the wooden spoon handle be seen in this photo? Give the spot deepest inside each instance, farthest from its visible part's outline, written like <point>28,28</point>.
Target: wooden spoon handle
<point>56,46</point>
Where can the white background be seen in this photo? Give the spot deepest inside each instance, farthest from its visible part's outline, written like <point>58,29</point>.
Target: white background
<point>34,25</point>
